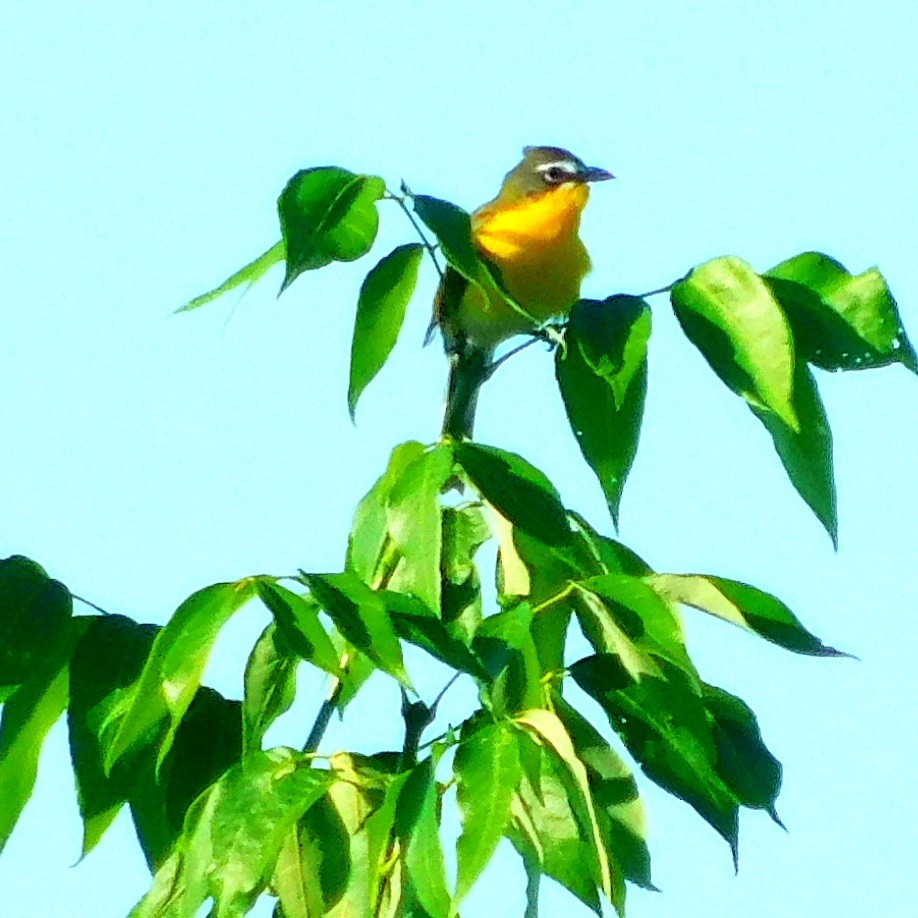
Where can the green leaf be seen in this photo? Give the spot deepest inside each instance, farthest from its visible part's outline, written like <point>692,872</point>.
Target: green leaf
<point>248,275</point>
<point>806,453</point>
<point>602,374</point>
<point>360,614</point>
<point>730,315</point>
<point>743,605</point>
<point>327,214</point>
<point>505,646</point>
<point>381,309</point>
<point>232,837</point>
<point>369,538</point>
<point>34,615</point>
<point>544,828</point>
<point>487,769</point>
<point>270,685</point>
<point>517,490</point>
<point>453,228</point>
<point>28,715</point>
<point>413,520</point>
<point>418,829</point>
<point>465,530</point>
<point>619,810</point>
<point>743,759</point>
<point>297,619</point>
<point>667,728</point>
<point>840,321</point>
<point>173,670</point>
<point>107,661</point>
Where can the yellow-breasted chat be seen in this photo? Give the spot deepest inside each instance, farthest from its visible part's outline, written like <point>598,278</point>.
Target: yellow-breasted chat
<point>529,237</point>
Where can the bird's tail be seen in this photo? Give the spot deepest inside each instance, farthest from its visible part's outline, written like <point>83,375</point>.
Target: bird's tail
<point>469,369</point>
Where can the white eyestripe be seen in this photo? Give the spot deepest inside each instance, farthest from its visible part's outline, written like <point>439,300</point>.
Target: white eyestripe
<point>565,165</point>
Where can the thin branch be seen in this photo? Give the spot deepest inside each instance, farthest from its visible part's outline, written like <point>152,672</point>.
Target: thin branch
<point>91,605</point>
<point>665,289</point>
<point>323,718</point>
<point>443,691</point>
<point>431,248</point>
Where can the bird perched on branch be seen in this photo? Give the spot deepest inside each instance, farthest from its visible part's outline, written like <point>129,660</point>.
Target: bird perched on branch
<point>528,237</point>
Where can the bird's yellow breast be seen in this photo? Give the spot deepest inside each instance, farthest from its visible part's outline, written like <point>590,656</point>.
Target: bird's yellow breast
<point>534,243</point>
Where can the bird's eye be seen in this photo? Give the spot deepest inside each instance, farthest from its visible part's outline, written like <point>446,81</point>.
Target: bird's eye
<point>555,175</point>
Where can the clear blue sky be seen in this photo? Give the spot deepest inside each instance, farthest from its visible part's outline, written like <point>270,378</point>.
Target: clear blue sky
<point>142,148</point>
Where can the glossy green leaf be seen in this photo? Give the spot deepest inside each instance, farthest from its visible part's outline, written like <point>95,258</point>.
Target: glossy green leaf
<point>327,214</point>
<point>743,605</point>
<point>806,453</point>
<point>743,760</point>
<point>487,769</point>
<point>106,662</point>
<point>297,619</point>
<point>247,275</point>
<point>173,670</point>
<point>360,614</point>
<point>270,685</point>
<point>545,830</point>
<point>384,297</point>
<point>505,646</point>
<point>728,312</point>
<point>418,828</point>
<point>666,727</point>
<point>602,374</point>
<point>28,715</point>
<point>619,810</point>
<point>34,612</point>
<point>413,520</point>
<point>549,730</point>
<point>840,321</point>
<point>453,228</point>
<point>465,530</point>
<point>368,554</point>
<point>517,490</point>
<point>610,555</point>
<point>232,837</point>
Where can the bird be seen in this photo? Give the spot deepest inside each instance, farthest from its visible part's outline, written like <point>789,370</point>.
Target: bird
<point>528,238</point>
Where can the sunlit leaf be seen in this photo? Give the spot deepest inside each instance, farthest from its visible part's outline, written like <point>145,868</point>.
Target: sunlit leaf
<point>270,685</point>
<point>34,612</point>
<point>840,321</point>
<point>504,644</point>
<point>381,308</point>
<point>28,715</point>
<point>327,214</point>
<point>602,374</point>
<point>106,662</point>
<point>487,769</point>
<point>413,519</point>
<point>666,727</point>
<point>247,275</point>
<point>360,614</point>
<point>730,315</point>
<point>743,605</point>
<point>465,530</point>
<point>517,490</point>
<point>173,670</point>
<point>232,837</point>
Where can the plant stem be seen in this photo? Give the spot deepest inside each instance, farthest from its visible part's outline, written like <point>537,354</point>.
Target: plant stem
<point>91,605</point>
<point>665,289</point>
<point>431,248</point>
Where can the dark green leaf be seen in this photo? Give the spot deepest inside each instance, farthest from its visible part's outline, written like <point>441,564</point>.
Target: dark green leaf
<point>840,321</point>
<point>611,556</point>
<point>173,670</point>
<point>27,717</point>
<point>107,661</point>
<point>668,730</point>
<point>743,605</point>
<point>232,837</point>
<point>297,619</point>
<point>453,229</point>
<point>619,810</point>
<point>602,373</point>
<point>252,272</point>
<point>487,769</point>
<point>270,685</point>
<point>504,644</point>
<point>517,490</point>
<point>807,452</point>
<point>465,530</point>
<point>743,760</point>
<point>413,519</point>
<point>360,614</point>
<point>34,612</point>
<point>381,308</point>
<point>327,214</point>
<point>730,315</point>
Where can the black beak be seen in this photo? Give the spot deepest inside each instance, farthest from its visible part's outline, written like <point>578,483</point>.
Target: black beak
<point>593,174</point>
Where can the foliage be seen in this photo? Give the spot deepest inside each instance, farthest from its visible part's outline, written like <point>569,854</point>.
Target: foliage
<point>223,820</point>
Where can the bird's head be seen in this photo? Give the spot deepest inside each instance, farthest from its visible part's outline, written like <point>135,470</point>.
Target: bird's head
<point>543,168</point>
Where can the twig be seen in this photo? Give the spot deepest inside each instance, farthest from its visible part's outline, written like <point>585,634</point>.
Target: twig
<point>323,718</point>
<point>431,248</point>
<point>91,605</point>
<point>666,289</point>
